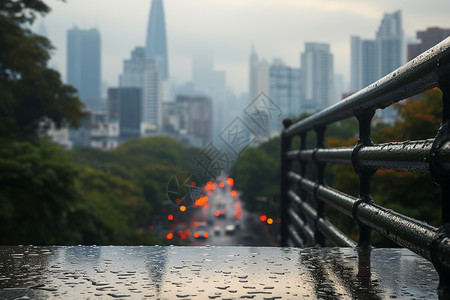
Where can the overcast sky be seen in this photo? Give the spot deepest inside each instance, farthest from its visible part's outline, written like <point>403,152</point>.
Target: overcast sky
<point>226,30</point>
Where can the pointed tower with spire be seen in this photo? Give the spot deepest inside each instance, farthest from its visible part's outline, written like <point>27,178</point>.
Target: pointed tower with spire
<point>156,45</point>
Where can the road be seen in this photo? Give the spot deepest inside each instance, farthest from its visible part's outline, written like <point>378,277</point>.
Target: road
<point>224,210</point>
<point>220,220</point>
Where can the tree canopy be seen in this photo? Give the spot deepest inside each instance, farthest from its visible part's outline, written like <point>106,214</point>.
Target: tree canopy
<point>32,95</point>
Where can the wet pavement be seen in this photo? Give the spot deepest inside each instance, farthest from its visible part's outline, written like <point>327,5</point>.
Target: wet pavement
<point>89,272</point>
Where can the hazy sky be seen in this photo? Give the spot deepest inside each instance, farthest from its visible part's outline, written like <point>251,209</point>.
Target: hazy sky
<point>226,30</point>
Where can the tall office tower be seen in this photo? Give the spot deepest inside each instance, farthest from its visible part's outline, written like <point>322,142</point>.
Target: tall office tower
<point>369,67</point>
<point>389,42</point>
<point>195,119</point>
<point>212,83</point>
<point>140,72</point>
<point>259,82</point>
<point>152,98</point>
<point>84,64</point>
<point>428,38</point>
<point>129,112</point>
<point>318,75</point>
<point>285,89</point>
<point>133,69</point>
<point>390,54</point>
<point>373,59</point>
<point>156,45</point>
<point>259,76</point>
<point>113,104</point>
<point>364,70</point>
<point>355,63</point>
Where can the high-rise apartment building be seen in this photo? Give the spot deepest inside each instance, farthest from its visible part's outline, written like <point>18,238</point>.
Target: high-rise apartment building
<point>129,112</point>
<point>364,69</point>
<point>133,69</point>
<point>318,75</point>
<point>195,119</point>
<point>259,82</point>
<point>156,44</point>
<point>140,72</point>
<point>428,38</point>
<point>84,64</point>
<point>390,43</point>
<point>258,76</point>
<point>373,59</point>
<point>152,98</point>
<point>285,88</point>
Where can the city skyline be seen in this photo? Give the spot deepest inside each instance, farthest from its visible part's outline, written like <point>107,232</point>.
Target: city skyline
<point>227,29</point>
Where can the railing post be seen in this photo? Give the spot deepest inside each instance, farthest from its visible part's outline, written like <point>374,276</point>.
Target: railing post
<point>365,174</point>
<point>320,132</point>
<point>285,166</point>
<point>441,177</point>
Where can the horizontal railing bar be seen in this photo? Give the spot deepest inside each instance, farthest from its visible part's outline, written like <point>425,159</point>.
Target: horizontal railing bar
<point>337,237</point>
<point>334,198</point>
<point>337,199</point>
<point>410,233</point>
<point>307,209</point>
<point>302,225</point>
<point>334,235</point>
<point>416,76</point>
<point>295,237</point>
<point>294,177</point>
<point>405,231</point>
<point>403,156</point>
<point>306,155</point>
<point>400,156</point>
<point>292,155</point>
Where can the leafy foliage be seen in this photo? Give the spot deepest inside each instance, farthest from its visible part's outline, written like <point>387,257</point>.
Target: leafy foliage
<point>47,199</point>
<point>31,94</point>
<point>37,192</point>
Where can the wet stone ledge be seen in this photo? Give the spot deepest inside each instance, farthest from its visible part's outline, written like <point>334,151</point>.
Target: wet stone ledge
<point>89,272</point>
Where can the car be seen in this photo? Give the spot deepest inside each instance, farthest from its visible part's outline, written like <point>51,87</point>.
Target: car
<point>201,231</point>
<point>217,230</point>
<point>181,231</point>
<point>221,210</point>
<point>230,229</point>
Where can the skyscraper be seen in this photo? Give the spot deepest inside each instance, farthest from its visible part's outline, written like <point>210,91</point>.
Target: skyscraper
<point>133,69</point>
<point>142,73</point>
<point>318,75</point>
<point>259,82</point>
<point>129,112</point>
<point>152,98</point>
<point>285,89</point>
<point>84,64</point>
<point>372,59</point>
<point>364,69</point>
<point>389,41</point>
<point>156,45</point>
<point>259,76</point>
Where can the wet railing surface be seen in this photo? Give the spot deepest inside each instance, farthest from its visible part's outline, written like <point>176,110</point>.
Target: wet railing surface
<point>303,199</point>
<point>89,272</point>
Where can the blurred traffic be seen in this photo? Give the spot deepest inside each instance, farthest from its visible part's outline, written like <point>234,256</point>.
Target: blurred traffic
<point>217,217</point>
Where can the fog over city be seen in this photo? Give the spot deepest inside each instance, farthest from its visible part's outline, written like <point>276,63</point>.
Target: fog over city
<point>227,29</point>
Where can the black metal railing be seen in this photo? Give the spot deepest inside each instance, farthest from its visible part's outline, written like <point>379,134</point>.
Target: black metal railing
<point>305,223</point>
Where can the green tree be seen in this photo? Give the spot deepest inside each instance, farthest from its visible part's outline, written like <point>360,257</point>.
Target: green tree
<point>257,174</point>
<point>32,95</point>
<point>37,193</point>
